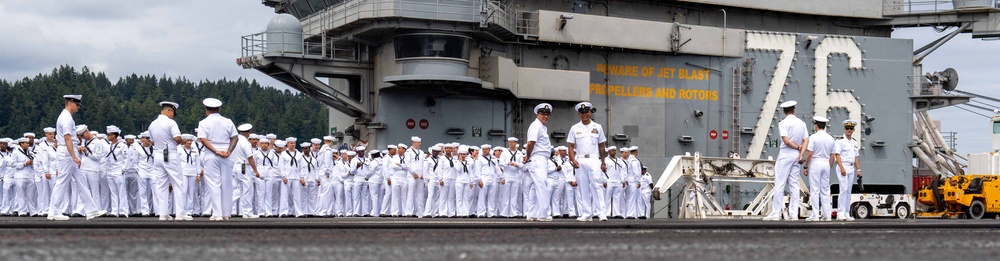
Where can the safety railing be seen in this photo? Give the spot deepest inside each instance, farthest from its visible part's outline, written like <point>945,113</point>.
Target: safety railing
<point>292,45</point>
<point>907,7</point>
<point>484,12</point>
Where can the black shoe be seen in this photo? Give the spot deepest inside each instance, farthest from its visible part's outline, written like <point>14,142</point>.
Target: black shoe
<point>642,217</point>
<point>77,215</point>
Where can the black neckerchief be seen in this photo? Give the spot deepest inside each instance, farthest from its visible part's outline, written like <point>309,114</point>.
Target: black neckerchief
<point>616,162</point>
<point>87,145</point>
<point>111,152</point>
<point>188,155</point>
<point>149,154</point>
<point>291,162</point>
<point>27,155</point>
<point>435,159</point>
<point>465,168</point>
<point>309,163</point>
<point>266,159</point>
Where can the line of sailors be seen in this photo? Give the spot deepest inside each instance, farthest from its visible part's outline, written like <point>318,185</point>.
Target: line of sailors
<point>311,178</point>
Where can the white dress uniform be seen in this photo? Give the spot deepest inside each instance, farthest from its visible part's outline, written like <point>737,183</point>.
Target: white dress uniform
<point>556,181</point>
<point>633,192</point>
<point>489,175</point>
<point>118,193</point>
<point>244,176</point>
<point>360,200</point>
<point>45,163</point>
<point>617,169</point>
<point>569,191</point>
<point>267,166</point>
<point>324,204</point>
<point>537,165</point>
<point>131,174</point>
<point>348,168</point>
<point>7,177</point>
<point>167,171</point>
<point>432,169</point>
<point>511,163</point>
<point>145,169</point>
<point>387,197</point>
<point>416,187</point>
<point>218,131</point>
<point>190,168</point>
<point>586,140</point>
<point>847,148</point>
<point>90,165</point>
<point>463,176</point>
<point>309,169</point>
<point>295,206</point>
<point>401,175</point>
<point>787,168</point>
<point>338,176</point>
<point>822,146</point>
<point>18,163</point>
<point>375,174</point>
<point>68,175</point>
<point>647,192</point>
<point>446,202</point>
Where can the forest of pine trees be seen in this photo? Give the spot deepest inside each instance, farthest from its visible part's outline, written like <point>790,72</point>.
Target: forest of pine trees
<point>132,102</point>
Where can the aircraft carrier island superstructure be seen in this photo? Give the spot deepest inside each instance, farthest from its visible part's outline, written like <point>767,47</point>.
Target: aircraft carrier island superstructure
<point>671,77</point>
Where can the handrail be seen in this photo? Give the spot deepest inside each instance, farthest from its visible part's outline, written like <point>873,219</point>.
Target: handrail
<point>907,7</point>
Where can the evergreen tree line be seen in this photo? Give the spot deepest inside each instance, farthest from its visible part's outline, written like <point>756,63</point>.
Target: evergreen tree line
<point>132,102</point>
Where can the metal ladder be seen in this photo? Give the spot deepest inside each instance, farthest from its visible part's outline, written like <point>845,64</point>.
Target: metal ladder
<point>734,130</point>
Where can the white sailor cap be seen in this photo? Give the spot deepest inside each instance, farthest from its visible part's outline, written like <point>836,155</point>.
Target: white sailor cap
<point>512,139</point>
<point>244,127</point>
<point>342,151</point>
<point>633,148</point>
<point>385,152</point>
<point>12,143</point>
<point>611,148</point>
<point>172,104</point>
<point>562,148</point>
<point>23,140</point>
<point>820,119</point>
<point>114,129</point>
<point>49,130</point>
<point>788,104</point>
<point>291,139</point>
<point>130,137</point>
<point>584,107</point>
<point>361,148</point>
<point>80,129</point>
<point>93,133</point>
<point>373,152</point>
<point>271,136</point>
<point>455,144</point>
<point>401,146</point>
<point>212,103</point>
<point>392,146</point>
<point>448,145</point>
<point>463,149</point>
<point>5,140</point>
<point>543,108</point>
<point>352,153</point>
<point>144,134</point>
<point>29,134</point>
<point>280,143</point>
<point>486,146</point>
<point>415,139</point>
<point>100,135</point>
<point>328,138</point>
<point>625,149</point>
<point>850,123</point>
<point>253,137</point>
<point>75,97</point>
<point>306,144</point>
<point>187,136</point>
<point>498,149</point>
<point>438,145</point>
<point>435,148</point>
<point>315,141</point>
<point>38,141</point>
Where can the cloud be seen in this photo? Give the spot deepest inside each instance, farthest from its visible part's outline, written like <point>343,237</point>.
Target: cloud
<point>195,39</point>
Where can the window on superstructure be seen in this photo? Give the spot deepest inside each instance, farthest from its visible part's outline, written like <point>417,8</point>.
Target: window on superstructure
<point>431,46</point>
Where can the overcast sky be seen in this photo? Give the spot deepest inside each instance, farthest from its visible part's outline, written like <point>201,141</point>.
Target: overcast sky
<point>200,39</point>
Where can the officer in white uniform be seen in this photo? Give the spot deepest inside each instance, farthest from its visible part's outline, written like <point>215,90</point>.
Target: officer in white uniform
<point>820,148</point>
<point>587,141</point>
<point>846,154</point>
<point>539,151</point>
<point>166,167</point>
<point>218,135</point>
<point>69,163</point>
<point>793,140</point>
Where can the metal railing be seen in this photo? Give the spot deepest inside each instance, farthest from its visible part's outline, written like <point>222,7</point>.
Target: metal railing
<point>315,47</point>
<point>484,12</point>
<point>906,7</point>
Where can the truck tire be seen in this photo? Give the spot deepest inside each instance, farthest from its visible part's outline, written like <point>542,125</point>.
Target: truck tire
<point>903,211</point>
<point>861,211</point>
<point>976,210</point>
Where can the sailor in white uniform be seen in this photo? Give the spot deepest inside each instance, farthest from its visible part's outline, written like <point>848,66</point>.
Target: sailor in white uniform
<point>793,140</point>
<point>510,180</point>
<point>45,165</point>
<point>117,160</point>
<point>416,189</point>
<point>20,161</point>
<point>489,182</point>
<point>820,148</point>
<point>218,135</point>
<point>616,169</point>
<point>846,153</point>
<point>245,172</point>
<point>539,151</point>
<point>69,163</point>
<point>435,184</point>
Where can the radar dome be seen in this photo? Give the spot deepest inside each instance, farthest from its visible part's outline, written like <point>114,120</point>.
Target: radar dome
<point>284,34</point>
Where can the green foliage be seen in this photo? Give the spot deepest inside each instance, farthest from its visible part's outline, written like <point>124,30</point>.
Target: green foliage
<point>131,103</point>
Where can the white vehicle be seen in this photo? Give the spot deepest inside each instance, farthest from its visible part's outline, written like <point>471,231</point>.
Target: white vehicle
<point>880,201</point>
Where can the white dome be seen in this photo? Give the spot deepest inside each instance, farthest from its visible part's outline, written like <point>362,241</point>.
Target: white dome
<point>284,23</point>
